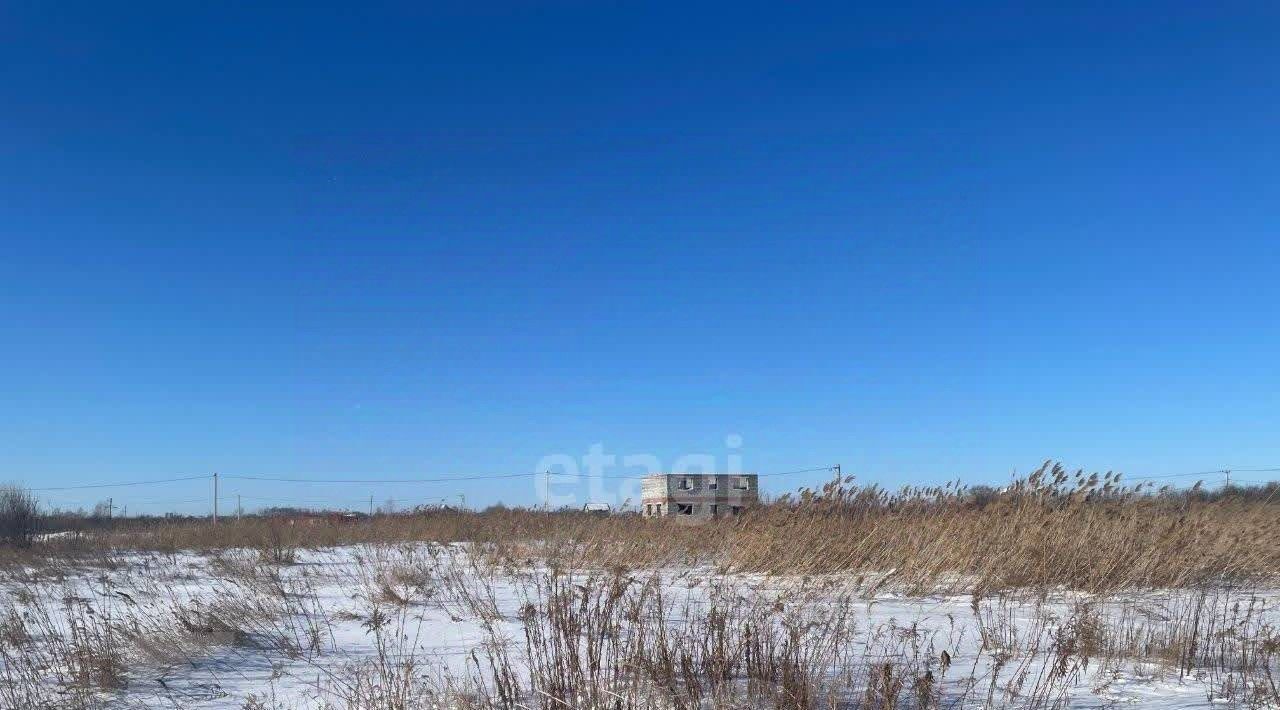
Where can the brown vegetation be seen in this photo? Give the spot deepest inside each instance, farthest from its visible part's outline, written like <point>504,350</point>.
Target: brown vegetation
<point>1051,529</point>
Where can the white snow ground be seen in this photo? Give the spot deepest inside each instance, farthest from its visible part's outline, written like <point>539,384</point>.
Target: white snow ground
<point>323,631</point>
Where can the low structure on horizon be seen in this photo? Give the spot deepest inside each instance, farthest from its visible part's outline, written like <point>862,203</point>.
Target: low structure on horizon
<point>697,497</point>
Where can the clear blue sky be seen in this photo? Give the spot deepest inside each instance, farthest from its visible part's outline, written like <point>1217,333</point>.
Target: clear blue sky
<point>429,239</point>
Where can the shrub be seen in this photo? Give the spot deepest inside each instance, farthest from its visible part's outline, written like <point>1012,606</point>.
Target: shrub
<point>19,515</point>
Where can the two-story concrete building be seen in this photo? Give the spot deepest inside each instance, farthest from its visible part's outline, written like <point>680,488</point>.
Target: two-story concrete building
<point>696,497</point>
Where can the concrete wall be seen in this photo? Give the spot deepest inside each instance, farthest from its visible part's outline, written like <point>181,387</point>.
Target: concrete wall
<point>698,497</point>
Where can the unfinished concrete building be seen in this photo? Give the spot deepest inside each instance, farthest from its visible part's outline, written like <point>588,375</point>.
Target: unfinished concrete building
<point>697,497</point>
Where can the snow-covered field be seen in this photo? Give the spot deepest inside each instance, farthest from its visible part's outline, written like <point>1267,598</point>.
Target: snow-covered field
<point>434,626</point>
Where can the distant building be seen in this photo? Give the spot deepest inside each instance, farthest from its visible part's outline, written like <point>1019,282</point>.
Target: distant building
<point>597,508</point>
<point>697,497</point>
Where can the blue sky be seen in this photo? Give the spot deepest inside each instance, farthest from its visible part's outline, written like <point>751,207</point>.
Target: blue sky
<point>418,240</point>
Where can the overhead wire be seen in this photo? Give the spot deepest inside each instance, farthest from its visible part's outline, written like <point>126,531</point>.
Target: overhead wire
<point>119,485</point>
<point>484,477</point>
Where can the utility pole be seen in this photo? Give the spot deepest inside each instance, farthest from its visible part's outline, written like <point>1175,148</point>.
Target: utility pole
<point>215,497</point>
<point>1226,476</point>
<point>836,468</point>
<point>111,509</point>
<point>370,505</point>
<point>239,508</point>
<point>546,499</point>
<point>462,501</point>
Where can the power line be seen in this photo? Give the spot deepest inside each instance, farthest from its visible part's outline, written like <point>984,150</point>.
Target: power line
<point>509,476</point>
<point>484,477</point>
<point>1173,475</point>
<point>803,470</point>
<point>448,479</point>
<point>321,501</point>
<point>118,485</point>
<point>679,473</point>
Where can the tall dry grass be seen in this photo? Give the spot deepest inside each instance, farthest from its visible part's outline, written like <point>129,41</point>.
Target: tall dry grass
<point>562,630</point>
<point>1050,529</point>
